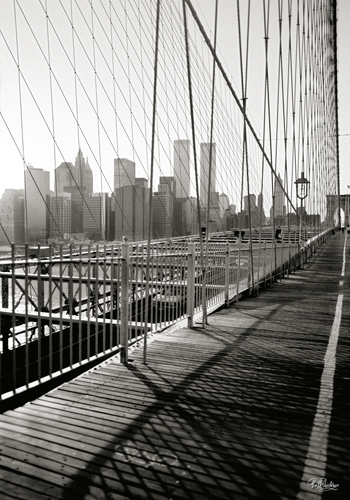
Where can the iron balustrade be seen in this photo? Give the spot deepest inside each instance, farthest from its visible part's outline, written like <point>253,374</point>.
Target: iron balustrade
<point>59,311</point>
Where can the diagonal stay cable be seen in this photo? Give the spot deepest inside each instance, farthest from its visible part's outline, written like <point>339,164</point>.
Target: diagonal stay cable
<point>250,126</point>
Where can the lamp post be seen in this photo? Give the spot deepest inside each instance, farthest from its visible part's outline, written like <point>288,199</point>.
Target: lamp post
<point>302,185</point>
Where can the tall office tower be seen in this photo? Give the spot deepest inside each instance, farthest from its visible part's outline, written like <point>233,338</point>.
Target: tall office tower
<point>124,173</point>
<point>37,201</point>
<point>111,217</point>
<point>250,200</point>
<point>64,177</point>
<point>204,171</point>
<point>95,216</point>
<point>77,177</point>
<point>84,174</point>
<point>132,211</point>
<point>261,208</point>
<point>191,215</point>
<point>163,208</point>
<point>224,204</point>
<point>141,181</point>
<point>180,226</point>
<point>182,168</point>
<point>250,208</point>
<point>12,216</point>
<point>60,216</point>
<point>280,208</point>
<point>170,182</point>
<point>77,180</point>
<point>233,208</point>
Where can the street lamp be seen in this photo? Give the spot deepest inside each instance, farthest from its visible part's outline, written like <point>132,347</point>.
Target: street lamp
<point>302,185</point>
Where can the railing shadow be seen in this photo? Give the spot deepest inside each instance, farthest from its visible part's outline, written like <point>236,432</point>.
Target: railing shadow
<point>226,429</point>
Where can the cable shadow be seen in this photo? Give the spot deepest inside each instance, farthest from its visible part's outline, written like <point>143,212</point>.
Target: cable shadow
<point>236,426</point>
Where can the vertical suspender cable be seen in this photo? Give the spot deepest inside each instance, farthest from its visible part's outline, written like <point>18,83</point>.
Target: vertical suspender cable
<point>193,141</point>
<point>266,111</point>
<point>335,55</point>
<point>102,220</point>
<point>204,282</point>
<point>21,118</point>
<point>52,116</point>
<point>151,180</point>
<point>245,164</point>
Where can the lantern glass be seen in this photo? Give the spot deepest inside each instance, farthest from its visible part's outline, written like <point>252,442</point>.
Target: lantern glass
<point>302,187</point>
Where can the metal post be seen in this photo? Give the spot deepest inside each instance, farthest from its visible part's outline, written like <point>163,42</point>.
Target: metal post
<point>190,283</point>
<point>5,287</point>
<point>249,278</point>
<point>124,302</point>
<point>227,274</point>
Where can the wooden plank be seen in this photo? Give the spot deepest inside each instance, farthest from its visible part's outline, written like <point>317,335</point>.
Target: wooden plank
<point>50,466</point>
<point>215,412</point>
<point>15,485</point>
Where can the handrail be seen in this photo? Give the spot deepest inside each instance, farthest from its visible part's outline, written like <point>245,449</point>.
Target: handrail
<point>72,313</point>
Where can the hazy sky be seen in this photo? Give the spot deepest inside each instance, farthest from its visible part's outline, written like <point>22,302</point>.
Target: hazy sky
<point>227,10</point>
<point>344,94</point>
<point>101,144</point>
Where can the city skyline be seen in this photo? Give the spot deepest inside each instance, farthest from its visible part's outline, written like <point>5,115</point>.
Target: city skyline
<point>74,209</point>
<point>67,87</point>
<point>129,142</point>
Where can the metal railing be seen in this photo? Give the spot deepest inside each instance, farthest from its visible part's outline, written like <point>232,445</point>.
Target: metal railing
<point>59,311</point>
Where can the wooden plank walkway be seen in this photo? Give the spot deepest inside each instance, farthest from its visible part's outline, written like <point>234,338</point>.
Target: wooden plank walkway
<point>227,412</point>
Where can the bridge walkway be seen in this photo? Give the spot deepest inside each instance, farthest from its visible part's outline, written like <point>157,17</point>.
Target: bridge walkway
<point>248,408</point>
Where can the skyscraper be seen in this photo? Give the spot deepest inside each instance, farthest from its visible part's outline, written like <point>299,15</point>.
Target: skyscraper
<point>279,196</point>
<point>132,211</point>
<point>37,193</point>
<point>84,174</point>
<point>204,172</point>
<point>77,180</point>
<point>163,208</point>
<point>95,216</point>
<point>65,177</point>
<point>77,177</point>
<point>12,216</point>
<point>250,203</point>
<point>60,215</point>
<point>182,168</point>
<point>261,208</point>
<point>124,173</point>
<point>224,203</point>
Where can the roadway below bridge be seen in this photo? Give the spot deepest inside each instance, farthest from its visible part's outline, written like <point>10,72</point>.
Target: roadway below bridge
<point>253,406</point>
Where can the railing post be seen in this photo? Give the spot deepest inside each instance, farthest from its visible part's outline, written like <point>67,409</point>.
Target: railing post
<point>227,274</point>
<point>124,302</point>
<point>5,323</point>
<point>40,290</point>
<point>190,283</point>
<point>249,277</point>
<point>5,288</point>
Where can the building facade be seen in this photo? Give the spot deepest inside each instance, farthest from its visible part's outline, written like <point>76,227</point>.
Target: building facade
<point>132,211</point>
<point>182,168</point>
<point>204,171</point>
<point>12,217</point>
<point>95,216</point>
<point>163,208</point>
<point>60,216</point>
<point>37,201</point>
<point>124,173</point>
<point>77,180</point>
